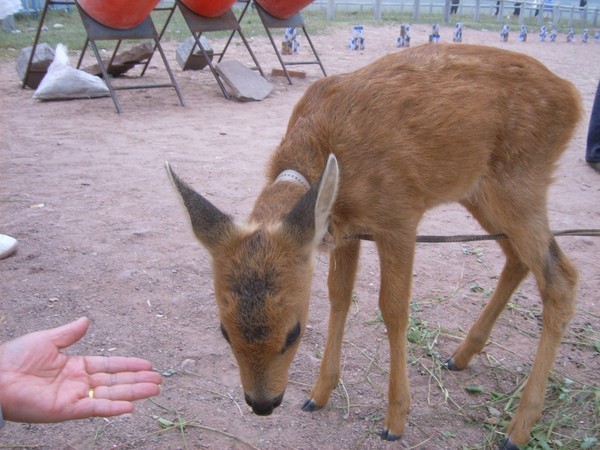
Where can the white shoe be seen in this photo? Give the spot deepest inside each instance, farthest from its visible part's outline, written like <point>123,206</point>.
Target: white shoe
<point>8,245</point>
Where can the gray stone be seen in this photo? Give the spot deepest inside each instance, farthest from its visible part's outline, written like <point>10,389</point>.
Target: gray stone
<point>196,60</point>
<point>124,61</point>
<point>243,83</point>
<point>43,57</point>
<point>8,24</point>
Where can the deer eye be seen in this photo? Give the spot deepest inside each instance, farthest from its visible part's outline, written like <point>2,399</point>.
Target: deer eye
<point>292,337</point>
<point>224,333</point>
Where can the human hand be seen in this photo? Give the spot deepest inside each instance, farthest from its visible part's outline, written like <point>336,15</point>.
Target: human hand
<point>40,384</point>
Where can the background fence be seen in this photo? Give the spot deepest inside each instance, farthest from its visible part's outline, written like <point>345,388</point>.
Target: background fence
<point>543,10</point>
<point>570,12</point>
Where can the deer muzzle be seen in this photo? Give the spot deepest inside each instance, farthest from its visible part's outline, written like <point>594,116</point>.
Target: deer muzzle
<point>263,407</point>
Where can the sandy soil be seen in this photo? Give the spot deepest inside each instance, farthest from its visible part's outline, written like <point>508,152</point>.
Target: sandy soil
<point>102,234</point>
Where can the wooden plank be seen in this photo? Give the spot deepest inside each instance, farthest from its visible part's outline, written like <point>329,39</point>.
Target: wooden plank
<point>292,73</point>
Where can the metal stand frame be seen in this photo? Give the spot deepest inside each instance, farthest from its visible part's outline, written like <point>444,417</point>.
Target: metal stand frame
<point>28,72</point>
<point>146,30</point>
<point>296,21</point>
<point>227,21</point>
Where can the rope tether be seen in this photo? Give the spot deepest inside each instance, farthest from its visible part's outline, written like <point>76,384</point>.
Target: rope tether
<point>482,237</point>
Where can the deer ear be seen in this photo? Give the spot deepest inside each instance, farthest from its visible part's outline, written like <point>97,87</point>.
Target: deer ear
<point>309,218</point>
<point>210,225</point>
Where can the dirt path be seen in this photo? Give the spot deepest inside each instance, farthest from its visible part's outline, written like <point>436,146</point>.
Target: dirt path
<point>102,234</point>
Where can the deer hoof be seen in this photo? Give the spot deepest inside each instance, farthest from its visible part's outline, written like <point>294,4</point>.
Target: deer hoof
<point>387,436</point>
<point>310,406</point>
<point>450,365</point>
<point>507,445</point>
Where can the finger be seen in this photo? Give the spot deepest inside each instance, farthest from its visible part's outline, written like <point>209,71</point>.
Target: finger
<point>126,392</point>
<point>112,379</point>
<point>115,364</point>
<point>101,408</point>
<point>68,334</point>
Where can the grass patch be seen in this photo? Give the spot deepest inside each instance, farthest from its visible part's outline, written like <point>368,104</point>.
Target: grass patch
<point>569,420</point>
<point>571,414</point>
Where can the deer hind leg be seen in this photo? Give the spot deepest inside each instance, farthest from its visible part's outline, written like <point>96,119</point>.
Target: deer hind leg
<point>342,273</point>
<point>513,273</point>
<point>530,246</point>
<point>556,279</point>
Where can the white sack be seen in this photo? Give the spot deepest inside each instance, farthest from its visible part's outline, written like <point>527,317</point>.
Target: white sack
<point>65,82</point>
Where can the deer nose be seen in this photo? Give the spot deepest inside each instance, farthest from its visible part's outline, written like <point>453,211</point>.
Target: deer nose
<point>264,407</point>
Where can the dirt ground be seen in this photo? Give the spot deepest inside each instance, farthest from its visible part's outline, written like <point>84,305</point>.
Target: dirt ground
<point>102,234</point>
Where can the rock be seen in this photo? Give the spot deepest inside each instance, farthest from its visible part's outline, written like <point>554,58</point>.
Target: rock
<point>43,57</point>
<point>243,83</point>
<point>188,364</point>
<point>124,61</point>
<point>196,60</point>
<point>8,24</point>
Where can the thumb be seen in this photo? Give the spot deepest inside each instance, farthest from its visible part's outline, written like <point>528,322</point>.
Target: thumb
<point>68,334</point>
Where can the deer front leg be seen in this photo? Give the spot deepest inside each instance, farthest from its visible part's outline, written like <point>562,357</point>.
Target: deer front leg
<point>394,299</point>
<point>342,272</point>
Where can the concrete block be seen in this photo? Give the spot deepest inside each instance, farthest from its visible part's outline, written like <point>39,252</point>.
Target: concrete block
<point>196,60</point>
<point>43,57</point>
<point>243,83</point>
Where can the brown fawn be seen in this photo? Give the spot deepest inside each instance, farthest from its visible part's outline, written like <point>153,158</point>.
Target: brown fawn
<point>371,152</point>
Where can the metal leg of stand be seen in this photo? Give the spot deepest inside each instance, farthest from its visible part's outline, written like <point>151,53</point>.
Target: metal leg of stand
<point>295,21</point>
<point>106,77</point>
<point>239,30</point>
<point>35,43</point>
<point>38,32</point>
<point>226,22</point>
<point>210,65</point>
<point>281,62</point>
<point>162,32</point>
<point>145,30</point>
<point>314,50</point>
<point>82,54</point>
<point>169,71</point>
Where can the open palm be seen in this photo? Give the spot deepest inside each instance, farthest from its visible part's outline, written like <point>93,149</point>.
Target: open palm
<point>39,383</point>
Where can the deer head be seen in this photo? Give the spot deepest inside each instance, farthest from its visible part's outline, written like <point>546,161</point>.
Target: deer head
<point>262,277</point>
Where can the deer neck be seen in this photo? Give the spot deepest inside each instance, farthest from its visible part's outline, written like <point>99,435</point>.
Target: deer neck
<point>277,198</point>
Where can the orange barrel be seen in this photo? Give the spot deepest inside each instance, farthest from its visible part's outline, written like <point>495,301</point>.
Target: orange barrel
<point>119,14</point>
<point>209,8</point>
<point>283,9</point>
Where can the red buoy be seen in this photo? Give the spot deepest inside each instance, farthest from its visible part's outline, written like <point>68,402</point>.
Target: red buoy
<point>283,9</point>
<point>209,8</point>
<point>119,14</point>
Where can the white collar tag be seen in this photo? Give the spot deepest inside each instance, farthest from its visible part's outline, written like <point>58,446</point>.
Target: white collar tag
<point>294,177</point>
